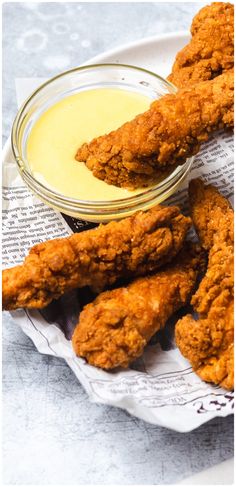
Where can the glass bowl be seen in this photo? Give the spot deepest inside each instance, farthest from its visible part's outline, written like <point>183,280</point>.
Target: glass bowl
<point>74,81</point>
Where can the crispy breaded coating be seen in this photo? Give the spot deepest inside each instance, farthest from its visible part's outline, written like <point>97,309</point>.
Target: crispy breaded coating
<point>96,258</point>
<point>164,136</point>
<point>114,329</point>
<point>212,214</point>
<point>208,342</point>
<point>211,49</point>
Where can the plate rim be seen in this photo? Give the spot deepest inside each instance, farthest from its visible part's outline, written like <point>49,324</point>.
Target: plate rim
<point>140,43</point>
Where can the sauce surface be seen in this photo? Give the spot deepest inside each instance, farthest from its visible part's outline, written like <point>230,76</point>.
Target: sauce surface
<point>64,127</point>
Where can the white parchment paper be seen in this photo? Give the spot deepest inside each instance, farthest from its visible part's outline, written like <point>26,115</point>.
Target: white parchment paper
<point>161,387</point>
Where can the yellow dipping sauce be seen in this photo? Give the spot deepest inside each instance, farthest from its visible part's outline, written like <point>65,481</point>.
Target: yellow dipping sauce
<point>64,127</point>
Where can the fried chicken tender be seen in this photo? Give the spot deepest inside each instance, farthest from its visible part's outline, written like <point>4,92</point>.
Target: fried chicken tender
<point>212,214</point>
<point>114,329</point>
<point>97,258</point>
<point>164,136</point>
<point>208,342</point>
<point>211,49</point>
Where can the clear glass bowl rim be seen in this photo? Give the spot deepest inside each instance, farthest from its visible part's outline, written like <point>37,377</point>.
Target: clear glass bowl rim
<point>147,194</point>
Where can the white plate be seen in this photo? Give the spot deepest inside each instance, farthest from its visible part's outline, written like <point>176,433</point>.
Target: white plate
<point>156,54</point>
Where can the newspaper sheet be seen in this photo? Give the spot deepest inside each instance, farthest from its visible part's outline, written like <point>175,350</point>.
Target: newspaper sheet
<point>160,387</point>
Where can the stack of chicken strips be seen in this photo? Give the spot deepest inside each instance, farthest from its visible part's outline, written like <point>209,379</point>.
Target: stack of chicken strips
<point>149,249</point>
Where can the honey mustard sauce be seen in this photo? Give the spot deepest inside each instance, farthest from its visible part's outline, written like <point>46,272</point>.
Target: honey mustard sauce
<point>64,127</point>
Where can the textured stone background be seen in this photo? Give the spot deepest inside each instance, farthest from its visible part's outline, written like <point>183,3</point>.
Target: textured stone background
<point>52,433</point>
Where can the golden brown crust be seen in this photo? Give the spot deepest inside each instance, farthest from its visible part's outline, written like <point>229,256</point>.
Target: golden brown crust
<point>114,329</point>
<point>164,136</point>
<point>211,213</point>
<point>208,342</point>
<point>211,49</point>
<point>209,346</point>
<point>97,258</point>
